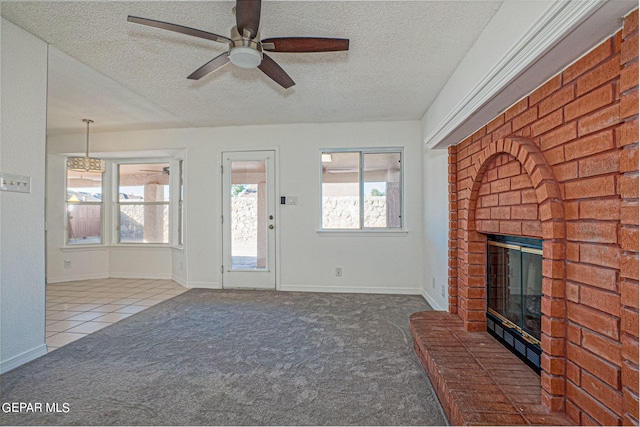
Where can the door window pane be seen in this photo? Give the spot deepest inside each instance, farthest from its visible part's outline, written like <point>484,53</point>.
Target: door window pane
<point>248,215</point>
<point>341,190</point>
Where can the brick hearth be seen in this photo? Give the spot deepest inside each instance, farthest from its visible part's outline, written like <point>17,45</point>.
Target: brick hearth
<point>478,381</point>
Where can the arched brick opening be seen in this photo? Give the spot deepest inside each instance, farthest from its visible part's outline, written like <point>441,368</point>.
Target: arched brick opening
<point>468,298</point>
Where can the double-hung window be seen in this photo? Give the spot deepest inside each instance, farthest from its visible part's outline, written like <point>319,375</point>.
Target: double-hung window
<point>84,208</point>
<point>362,189</point>
<point>143,203</point>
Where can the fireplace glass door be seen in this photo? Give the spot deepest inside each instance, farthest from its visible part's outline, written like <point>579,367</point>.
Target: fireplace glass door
<point>514,291</point>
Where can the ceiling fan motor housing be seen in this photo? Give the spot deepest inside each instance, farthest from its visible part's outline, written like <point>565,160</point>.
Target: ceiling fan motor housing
<point>244,51</point>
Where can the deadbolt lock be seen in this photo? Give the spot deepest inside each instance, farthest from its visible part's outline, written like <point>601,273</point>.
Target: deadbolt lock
<point>270,216</point>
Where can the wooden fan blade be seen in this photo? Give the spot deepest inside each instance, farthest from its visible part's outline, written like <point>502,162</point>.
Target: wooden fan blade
<point>275,72</point>
<point>304,44</point>
<point>248,16</point>
<point>179,29</point>
<point>211,66</point>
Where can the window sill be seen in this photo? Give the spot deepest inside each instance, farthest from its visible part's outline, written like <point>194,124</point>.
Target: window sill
<point>155,246</point>
<point>84,248</point>
<point>362,233</point>
<point>152,246</point>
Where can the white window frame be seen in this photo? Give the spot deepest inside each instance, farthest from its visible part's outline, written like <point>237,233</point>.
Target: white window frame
<point>115,211</point>
<point>363,230</point>
<point>177,203</point>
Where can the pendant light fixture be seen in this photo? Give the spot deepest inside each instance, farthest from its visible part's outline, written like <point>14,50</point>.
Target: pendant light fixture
<point>86,164</point>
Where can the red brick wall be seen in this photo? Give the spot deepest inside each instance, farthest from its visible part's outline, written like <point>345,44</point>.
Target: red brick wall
<point>562,165</point>
<point>507,202</point>
<point>628,228</point>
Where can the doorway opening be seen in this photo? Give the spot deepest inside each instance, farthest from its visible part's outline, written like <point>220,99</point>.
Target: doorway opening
<point>249,220</point>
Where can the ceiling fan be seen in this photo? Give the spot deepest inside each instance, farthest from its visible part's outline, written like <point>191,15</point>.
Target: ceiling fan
<point>246,49</point>
<point>164,171</point>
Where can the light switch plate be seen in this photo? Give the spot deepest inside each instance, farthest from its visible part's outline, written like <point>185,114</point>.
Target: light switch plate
<point>15,183</point>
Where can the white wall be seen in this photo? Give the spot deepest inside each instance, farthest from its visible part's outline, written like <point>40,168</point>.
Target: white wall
<point>307,259</point>
<point>525,44</point>
<point>148,263</point>
<point>94,262</point>
<point>23,84</point>
<point>374,264</point>
<point>436,229</point>
<point>514,18</point>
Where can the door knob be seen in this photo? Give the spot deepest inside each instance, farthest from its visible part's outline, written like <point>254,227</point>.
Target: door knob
<point>270,226</point>
<point>270,216</point>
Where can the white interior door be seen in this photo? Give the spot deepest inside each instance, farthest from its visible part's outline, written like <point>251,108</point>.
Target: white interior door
<point>248,221</point>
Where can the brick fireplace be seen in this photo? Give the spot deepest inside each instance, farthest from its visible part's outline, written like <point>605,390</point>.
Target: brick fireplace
<point>561,165</point>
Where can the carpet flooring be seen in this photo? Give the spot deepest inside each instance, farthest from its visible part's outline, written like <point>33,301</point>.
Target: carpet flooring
<point>210,357</point>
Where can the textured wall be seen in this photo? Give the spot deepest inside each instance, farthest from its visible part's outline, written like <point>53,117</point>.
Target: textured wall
<point>562,164</point>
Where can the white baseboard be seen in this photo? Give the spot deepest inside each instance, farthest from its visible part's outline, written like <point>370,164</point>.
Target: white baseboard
<point>431,301</point>
<point>180,281</point>
<point>77,278</point>
<point>22,358</point>
<point>203,285</point>
<point>140,276</point>
<point>351,289</point>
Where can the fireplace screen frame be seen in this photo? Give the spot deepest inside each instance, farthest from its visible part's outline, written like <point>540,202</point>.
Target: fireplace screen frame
<point>511,332</point>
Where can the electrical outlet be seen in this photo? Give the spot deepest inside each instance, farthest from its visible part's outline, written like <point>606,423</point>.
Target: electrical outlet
<point>443,290</point>
<point>67,263</point>
<point>338,271</point>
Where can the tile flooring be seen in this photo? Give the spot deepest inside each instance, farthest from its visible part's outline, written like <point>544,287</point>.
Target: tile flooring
<point>76,309</point>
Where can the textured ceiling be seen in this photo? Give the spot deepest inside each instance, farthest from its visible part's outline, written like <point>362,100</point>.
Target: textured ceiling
<point>126,76</point>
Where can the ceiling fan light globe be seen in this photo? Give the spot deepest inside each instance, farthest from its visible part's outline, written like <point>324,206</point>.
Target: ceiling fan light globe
<point>245,57</point>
